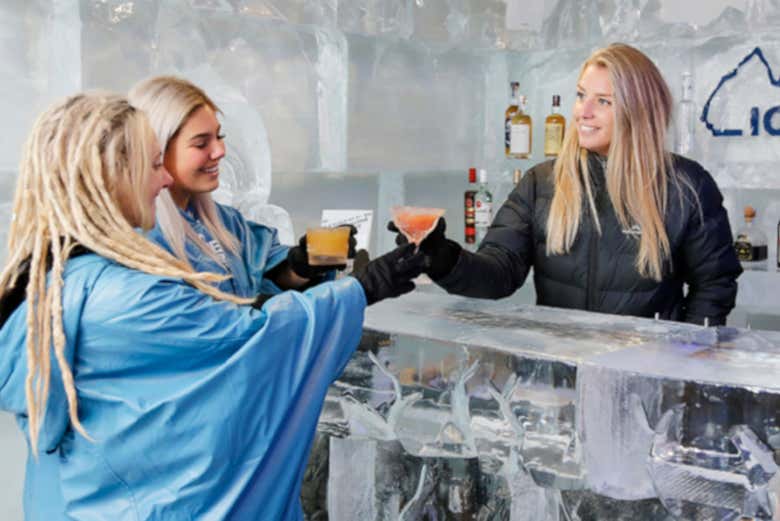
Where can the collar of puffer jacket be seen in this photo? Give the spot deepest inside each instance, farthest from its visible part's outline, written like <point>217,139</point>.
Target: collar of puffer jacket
<point>597,169</point>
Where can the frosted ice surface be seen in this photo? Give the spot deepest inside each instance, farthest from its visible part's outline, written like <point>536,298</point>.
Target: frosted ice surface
<point>314,12</point>
<point>571,23</point>
<point>552,402</point>
<point>394,83</point>
<point>529,501</point>
<point>730,479</point>
<point>376,17</point>
<point>740,358</point>
<point>120,42</point>
<point>619,19</point>
<point>615,431</point>
<point>6,210</point>
<point>543,333</point>
<point>277,68</point>
<point>353,467</point>
<point>23,76</point>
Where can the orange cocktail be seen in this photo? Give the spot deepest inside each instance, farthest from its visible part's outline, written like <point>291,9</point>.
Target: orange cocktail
<point>327,246</point>
<point>416,222</point>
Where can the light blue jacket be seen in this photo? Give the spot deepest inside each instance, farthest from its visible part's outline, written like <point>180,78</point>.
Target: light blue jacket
<point>199,409</point>
<point>260,251</point>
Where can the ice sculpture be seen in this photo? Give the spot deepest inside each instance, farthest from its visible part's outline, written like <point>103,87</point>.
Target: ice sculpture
<point>457,408</point>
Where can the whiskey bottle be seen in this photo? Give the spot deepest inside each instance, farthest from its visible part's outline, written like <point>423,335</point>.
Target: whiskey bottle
<point>520,134</point>
<point>751,244</point>
<point>511,110</point>
<point>483,203</point>
<point>468,209</point>
<point>554,127</point>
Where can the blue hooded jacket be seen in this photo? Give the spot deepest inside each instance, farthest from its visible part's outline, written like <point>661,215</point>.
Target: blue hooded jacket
<point>260,251</point>
<point>199,409</point>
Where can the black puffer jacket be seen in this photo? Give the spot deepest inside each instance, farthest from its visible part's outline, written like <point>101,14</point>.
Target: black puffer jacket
<point>599,273</point>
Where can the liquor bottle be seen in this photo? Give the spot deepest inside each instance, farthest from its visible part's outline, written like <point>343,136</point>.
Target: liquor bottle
<point>751,244</point>
<point>468,209</point>
<point>511,110</point>
<point>520,133</point>
<point>483,202</point>
<point>685,122</point>
<point>554,127</point>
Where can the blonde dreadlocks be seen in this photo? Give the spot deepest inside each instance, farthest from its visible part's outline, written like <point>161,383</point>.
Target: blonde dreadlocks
<point>83,177</point>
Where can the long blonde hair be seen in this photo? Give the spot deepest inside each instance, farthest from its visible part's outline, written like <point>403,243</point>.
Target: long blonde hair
<point>82,155</point>
<point>169,102</point>
<point>638,170</point>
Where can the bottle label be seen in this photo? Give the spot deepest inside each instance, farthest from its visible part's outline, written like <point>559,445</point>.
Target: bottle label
<point>747,252</point>
<point>553,137</point>
<point>483,214</point>
<point>508,133</point>
<point>469,217</point>
<point>520,139</point>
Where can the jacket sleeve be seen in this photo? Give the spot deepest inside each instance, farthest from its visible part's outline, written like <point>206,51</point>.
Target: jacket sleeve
<point>709,262</point>
<point>212,403</point>
<point>501,264</point>
<point>261,250</point>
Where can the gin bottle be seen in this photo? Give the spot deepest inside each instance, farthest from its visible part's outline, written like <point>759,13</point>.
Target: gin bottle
<point>685,123</point>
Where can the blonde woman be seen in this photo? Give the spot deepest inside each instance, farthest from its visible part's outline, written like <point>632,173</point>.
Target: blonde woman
<point>144,391</point>
<point>615,224</point>
<point>206,235</point>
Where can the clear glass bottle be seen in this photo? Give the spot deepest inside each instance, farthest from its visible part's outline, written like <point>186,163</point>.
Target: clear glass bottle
<point>511,110</point>
<point>470,232</point>
<point>554,127</point>
<point>685,121</point>
<point>483,203</point>
<point>751,244</point>
<point>520,133</point>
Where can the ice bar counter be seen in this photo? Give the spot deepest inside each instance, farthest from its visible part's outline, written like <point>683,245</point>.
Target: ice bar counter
<point>458,408</point>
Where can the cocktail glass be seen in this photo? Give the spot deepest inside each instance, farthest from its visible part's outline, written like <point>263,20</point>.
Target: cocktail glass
<point>416,222</point>
<point>327,246</point>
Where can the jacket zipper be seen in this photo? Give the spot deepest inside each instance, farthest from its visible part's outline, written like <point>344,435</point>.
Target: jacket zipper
<point>593,259</point>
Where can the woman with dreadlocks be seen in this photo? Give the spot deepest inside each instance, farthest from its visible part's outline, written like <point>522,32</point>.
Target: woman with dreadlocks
<point>146,392</point>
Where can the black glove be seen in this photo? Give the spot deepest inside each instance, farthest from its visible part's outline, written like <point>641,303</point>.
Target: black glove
<point>298,258</point>
<point>261,299</point>
<point>391,274</point>
<point>441,253</point>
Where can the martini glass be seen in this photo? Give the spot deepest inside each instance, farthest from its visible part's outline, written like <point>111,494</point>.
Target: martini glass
<point>416,222</point>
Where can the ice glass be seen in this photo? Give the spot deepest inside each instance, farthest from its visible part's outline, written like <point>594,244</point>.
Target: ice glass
<point>416,222</point>
<point>327,246</point>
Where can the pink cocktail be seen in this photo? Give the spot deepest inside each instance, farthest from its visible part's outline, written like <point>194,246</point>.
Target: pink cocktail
<point>415,222</point>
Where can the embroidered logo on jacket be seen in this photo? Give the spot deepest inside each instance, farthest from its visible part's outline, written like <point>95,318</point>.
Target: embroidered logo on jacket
<point>634,231</point>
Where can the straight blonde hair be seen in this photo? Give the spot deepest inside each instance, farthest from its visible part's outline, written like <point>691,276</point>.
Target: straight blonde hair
<point>169,102</point>
<point>639,169</point>
<point>83,176</point>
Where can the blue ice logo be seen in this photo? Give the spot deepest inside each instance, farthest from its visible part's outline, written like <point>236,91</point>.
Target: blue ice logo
<point>758,121</point>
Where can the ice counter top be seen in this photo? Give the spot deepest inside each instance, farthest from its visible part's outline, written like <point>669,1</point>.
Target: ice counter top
<point>556,412</point>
